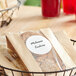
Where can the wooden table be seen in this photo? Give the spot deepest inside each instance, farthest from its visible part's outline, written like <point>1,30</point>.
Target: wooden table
<point>30,18</point>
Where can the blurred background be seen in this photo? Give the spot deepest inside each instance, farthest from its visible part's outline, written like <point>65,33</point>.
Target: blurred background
<point>31,2</point>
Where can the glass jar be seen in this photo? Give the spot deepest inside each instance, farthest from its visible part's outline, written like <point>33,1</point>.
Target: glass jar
<point>51,8</point>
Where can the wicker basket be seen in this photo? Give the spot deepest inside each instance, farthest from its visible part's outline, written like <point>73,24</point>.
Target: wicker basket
<point>6,19</point>
<point>72,71</point>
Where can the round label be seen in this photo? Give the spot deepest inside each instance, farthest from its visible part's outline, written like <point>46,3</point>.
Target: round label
<point>38,44</point>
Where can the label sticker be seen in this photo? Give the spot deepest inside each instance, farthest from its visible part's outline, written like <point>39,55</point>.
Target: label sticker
<point>38,44</point>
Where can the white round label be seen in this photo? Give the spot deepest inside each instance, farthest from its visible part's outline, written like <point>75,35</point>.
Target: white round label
<point>38,44</point>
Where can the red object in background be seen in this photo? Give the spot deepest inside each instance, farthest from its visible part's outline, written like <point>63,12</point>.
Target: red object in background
<point>69,6</point>
<point>75,6</point>
<point>50,8</point>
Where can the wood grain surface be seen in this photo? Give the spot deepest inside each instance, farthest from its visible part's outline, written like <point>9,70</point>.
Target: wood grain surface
<point>30,18</point>
<point>67,44</point>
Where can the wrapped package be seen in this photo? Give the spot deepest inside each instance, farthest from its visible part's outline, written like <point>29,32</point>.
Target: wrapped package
<point>48,61</point>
